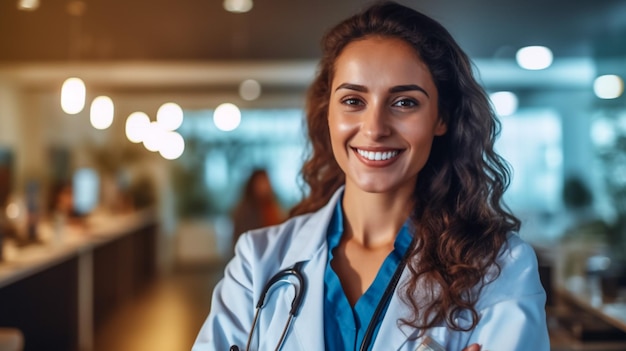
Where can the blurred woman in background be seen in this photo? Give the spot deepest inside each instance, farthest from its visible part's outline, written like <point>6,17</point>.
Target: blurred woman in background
<point>258,206</point>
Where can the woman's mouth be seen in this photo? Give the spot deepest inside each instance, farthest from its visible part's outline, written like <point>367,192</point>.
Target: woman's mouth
<point>377,155</point>
<point>383,155</point>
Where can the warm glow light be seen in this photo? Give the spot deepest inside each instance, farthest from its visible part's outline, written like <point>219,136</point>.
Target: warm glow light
<point>238,6</point>
<point>12,211</point>
<point>76,7</point>
<point>250,90</point>
<point>73,95</point>
<point>173,146</point>
<point>227,117</point>
<point>504,102</point>
<point>101,113</point>
<point>170,116</point>
<point>28,5</point>
<point>534,57</point>
<point>153,138</point>
<point>608,86</point>
<point>137,125</point>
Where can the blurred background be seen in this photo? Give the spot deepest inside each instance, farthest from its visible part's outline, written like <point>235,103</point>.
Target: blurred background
<point>130,132</point>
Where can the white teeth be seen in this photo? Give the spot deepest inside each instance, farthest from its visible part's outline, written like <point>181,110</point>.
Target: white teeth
<point>377,156</point>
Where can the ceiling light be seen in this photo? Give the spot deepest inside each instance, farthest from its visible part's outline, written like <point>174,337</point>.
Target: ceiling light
<point>534,57</point>
<point>608,86</point>
<point>153,137</point>
<point>137,125</point>
<point>27,5</point>
<point>101,112</point>
<point>238,6</point>
<point>170,116</point>
<point>73,95</point>
<point>227,117</point>
<point>249,90</point>
<point>173,146</point>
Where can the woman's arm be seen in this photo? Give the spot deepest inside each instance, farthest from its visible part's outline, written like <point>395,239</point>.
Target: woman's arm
<point>512,308</point>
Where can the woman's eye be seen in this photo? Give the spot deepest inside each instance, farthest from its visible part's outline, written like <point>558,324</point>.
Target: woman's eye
<point>352,102</point>
<point>405,103</point>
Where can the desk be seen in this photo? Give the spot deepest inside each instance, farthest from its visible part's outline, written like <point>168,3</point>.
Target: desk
<point>612,313</point>
<point>57,292</point>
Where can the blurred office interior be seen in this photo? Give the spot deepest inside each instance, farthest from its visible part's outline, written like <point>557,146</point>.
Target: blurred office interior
<point>115,209</point>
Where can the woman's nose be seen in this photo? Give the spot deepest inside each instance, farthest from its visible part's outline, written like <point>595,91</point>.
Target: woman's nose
<point>375,123</point>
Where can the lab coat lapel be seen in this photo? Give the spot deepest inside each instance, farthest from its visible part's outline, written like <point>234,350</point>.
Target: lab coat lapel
<point>393,333</point>
<point>309,246</point>
<point>397,335</point>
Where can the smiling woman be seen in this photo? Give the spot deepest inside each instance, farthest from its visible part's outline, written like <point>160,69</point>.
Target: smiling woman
<point>383,102</point>
<point>402,242</point>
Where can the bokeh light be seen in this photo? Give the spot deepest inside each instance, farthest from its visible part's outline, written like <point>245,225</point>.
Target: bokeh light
<point>172,146</point>
<point>534,57</point>
<point>238,6</point>
<point>227,117</point>
<point>102,112</point>
<point>608,86</point>
<point>504,102</point>
<point>153,137</point>
<point>73,95</point>
<point>137,125</point>
<point>170,116</point>
<point>250,90</point>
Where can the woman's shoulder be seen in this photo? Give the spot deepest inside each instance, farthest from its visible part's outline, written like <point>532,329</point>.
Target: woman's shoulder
<point>285,241</point>
<point>517,252</point>
<point>282,231</point>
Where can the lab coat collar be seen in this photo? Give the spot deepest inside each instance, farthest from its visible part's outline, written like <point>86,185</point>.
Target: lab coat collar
<point>311,237</point>
<point>309,246</point>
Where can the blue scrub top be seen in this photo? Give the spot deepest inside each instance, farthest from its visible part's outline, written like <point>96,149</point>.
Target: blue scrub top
<point>345,326</point>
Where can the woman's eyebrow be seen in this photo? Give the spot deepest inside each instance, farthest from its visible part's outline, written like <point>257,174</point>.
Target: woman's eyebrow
<point>355,87</point>
<point>395,89</point>
<point>408,87</point>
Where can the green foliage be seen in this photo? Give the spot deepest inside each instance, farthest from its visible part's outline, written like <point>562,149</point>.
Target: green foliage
<point>192,195</point>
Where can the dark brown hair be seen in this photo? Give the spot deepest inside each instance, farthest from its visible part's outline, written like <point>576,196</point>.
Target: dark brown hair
<point>462,223</point>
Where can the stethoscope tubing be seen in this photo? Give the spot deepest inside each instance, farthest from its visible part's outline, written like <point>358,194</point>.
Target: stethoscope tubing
<point>295,271</point>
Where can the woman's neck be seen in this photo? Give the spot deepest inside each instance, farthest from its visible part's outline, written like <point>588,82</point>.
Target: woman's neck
<point>374,219</point>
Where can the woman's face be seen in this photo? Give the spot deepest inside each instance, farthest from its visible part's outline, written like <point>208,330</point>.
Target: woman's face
<point>382,114</point>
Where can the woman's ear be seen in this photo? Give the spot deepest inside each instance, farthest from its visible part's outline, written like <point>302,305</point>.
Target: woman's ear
<point>441,128</point>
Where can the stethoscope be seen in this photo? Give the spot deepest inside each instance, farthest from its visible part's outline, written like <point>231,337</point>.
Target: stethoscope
<point>296,303</point>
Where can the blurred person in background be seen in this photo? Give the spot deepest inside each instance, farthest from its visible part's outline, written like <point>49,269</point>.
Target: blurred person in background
<point>402,242</point>
<point>258,206</point>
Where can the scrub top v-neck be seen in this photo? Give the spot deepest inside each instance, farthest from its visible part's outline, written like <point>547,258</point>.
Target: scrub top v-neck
<point>344,325</point>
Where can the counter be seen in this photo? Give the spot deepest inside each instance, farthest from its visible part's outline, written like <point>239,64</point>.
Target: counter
<point>58,291</point>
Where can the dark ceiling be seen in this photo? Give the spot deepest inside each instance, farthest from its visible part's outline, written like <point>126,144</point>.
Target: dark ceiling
<point>201,30</point>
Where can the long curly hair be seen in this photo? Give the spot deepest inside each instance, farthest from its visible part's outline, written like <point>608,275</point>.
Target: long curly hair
<point>460,218</point>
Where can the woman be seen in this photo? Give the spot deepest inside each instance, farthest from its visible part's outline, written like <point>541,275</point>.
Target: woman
<point>258,206</point>
<point>402,242</point>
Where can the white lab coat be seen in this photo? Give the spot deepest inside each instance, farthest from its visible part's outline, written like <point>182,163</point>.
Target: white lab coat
<point>511,307</point>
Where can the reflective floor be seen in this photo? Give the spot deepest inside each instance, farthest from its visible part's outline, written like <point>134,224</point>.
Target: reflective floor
<point>165,317</point>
